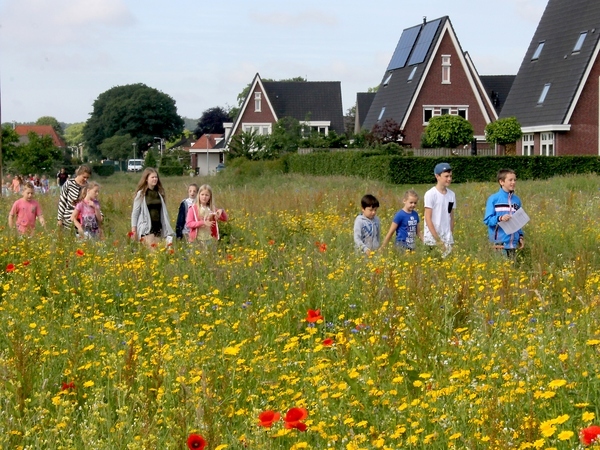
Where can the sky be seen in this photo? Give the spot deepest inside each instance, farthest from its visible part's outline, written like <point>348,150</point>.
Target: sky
<point>58,56</point>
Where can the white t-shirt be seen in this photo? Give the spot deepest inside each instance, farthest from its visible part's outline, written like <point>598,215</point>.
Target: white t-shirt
<point>441,206</point>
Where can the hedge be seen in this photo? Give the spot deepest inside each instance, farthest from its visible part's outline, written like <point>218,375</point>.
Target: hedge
<point>419,170</point>
<point>103,170</point>
<point>167,171</point>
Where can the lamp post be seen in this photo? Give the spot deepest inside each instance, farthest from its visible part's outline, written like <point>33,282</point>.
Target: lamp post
<point>207,139</point>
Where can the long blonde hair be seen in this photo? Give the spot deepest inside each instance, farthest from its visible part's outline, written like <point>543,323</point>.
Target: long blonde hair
<point>211,202</point>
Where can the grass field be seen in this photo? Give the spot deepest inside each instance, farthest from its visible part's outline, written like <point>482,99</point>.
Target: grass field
<point>107,345</point>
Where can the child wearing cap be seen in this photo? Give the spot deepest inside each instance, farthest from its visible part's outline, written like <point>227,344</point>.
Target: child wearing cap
<point>439,202</point>
<point>499,208</point>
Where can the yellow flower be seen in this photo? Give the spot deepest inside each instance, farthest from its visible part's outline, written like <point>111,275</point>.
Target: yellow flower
<point>88,384</point>
<point>588,416</point>
<point>555,384</point>
<point>565,435</point>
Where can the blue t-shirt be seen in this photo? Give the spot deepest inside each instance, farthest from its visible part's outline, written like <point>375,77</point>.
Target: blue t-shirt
<point>406,233</point>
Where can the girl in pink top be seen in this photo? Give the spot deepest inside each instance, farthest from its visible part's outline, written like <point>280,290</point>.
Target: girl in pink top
<point>87,216</point>
<point>24,212</point>
<point>202,217</point>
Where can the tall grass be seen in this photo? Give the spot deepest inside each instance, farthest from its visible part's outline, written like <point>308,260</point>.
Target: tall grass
<point>107,345</point>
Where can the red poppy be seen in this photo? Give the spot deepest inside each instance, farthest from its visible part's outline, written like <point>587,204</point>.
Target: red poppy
<point>327,342</point>
<point>10,267</point>
<point>153,245</point>
<point>589,435</point>
<point>67,386</point>
<point>79,252</point>
<point>313,315</point>
<point>26,263</point>
<point>130,234</point>
<point>196,442</point>
<point>271,242</point>
<point>294,417</point>
<point>268,418</point>
<point>322,246</point>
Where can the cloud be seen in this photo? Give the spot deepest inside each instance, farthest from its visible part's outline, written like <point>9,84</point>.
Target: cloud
<point>41,23</point>
<point>296,20</point>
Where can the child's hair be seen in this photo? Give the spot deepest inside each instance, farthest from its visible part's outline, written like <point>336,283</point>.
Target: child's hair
<point>28,185</point>
<point>83,169</point>
<point>410,193</point>
<point>369,201</point>
<point>84,190</point>
<point>502,173</point>
<point>143,184</point>
<point>193,185</point>
<point>206,187</point>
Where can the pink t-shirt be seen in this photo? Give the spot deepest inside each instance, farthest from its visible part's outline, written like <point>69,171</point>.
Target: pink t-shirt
<point>25,212</point>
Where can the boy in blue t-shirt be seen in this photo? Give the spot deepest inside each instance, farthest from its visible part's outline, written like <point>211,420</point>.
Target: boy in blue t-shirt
<point>405,223</point>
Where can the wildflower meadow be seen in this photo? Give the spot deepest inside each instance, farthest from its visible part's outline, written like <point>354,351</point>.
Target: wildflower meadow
<point>283,337</point>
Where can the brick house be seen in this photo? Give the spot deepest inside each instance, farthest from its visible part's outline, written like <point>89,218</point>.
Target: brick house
<point>429,75</point>
<point>41,130</point>
<point>555,95</point>
<point>317,104</point>
<point>206,153</point>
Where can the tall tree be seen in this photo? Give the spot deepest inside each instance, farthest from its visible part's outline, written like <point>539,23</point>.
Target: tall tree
<point>9,140</point>
<point>117,147</point>
<point>74,133</point>
<point>212,121</point>
<point>49,120</point>
<point>38,155</point>
<point>135,109</point>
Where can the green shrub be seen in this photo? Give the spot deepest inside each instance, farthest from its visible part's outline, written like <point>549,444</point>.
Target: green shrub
<point>168,171</point>
<point>103,170</point>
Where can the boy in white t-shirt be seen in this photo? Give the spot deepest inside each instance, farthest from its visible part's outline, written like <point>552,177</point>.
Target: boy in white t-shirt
<point>439,202</point>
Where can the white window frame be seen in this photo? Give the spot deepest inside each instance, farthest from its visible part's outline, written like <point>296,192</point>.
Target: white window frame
<point>318,126</point>
<point>453,110</point>
<point>544,93</point>
<point>547,144</point>
<point>446,65</point>
<point>580,41</point>
<point>257,101</point>
<point>387,79</point>
<point>538,51</point>
<point>381,114</point>
<point>262,129</point>
<point>528,144</point>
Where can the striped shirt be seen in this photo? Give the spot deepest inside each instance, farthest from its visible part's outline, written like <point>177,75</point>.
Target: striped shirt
<point>69,194</point>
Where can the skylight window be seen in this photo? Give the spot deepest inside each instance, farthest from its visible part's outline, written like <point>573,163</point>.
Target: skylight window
<point>381,113</point>
<point>387,80</point>
<point>412,73</point>
<point>580,42</point>
<point>538,50</point>
<point>544,93</point>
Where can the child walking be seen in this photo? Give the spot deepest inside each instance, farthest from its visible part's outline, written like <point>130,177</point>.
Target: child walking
<point>180,229</point>
<point>24,212</point>
<point>440,202</point>
<point>367,227</point>
<point>405,224</point>
<point>499,208</point>
<point>202,217</point>
<point>87,216</point>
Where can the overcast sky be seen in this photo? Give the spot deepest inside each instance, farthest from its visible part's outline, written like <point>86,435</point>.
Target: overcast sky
<point>57,56</point>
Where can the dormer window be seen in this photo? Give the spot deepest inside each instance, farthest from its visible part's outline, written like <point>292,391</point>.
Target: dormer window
<point>387,80</point>
<point>544,93</point>
<point>412,73</point>
<point>580,42</point>
<point>257,101</point>
<point>446,69</point>
<point>538,51</point>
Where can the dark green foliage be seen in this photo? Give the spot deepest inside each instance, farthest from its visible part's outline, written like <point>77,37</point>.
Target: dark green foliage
<point>167,171</point>
<point>150,160</point>
<point>117,147</point>
<point>212,121</point>
<point>135,109</point>
<point>447,131</point>
<point>38,155</point>
<point>503,131</point>
<point>419,170</point>
<point>103,170</point>
<point>9,140</point>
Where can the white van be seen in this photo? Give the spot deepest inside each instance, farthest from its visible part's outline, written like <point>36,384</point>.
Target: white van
<point>135,165</point>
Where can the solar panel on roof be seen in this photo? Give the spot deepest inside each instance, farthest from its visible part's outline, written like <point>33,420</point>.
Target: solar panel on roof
<point>424,42</point>
<point>405,45</point>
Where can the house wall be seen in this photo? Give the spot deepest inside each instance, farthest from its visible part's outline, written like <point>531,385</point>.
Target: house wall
<point>433,92</point>
<point>251,116</point>
<point>583,137</point>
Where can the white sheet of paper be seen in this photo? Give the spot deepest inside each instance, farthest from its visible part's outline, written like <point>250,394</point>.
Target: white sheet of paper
<point>516,222</point>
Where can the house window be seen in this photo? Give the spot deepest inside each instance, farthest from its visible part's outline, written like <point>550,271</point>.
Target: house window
<point>257,101</point>
<point>547,144</point>
<point>387,80</point>
<point>427,115</point>
<point>258,128</point>
<point>446,69</point>
<point>381,114</point>
<point>538,51</point>
<point>528,146</point>
<point>412,73</point>
<point>444,111</point>
<point>579,42</point>
<point>462,112</point>
<point>544,93</point>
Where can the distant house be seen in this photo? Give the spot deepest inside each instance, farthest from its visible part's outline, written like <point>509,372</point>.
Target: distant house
<point>429,75</point>
<point>317,104</point>
<point>206,153</point>
<point>40,130</point>
<point>555,96</point>
<point>363,104</point>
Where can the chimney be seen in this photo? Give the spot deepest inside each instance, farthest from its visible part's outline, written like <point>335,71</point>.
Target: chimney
<point>424,20</point>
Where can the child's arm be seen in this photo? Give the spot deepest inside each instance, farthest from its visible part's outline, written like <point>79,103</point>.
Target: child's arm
<point>75,220</point>
<point>390,233</point>
<point>11,222</point>
<point>181,220</point>
<point>358,240</point>
<point>98,211</point>
<point>193,221</point>
<point>222,215</point>
<point>42,221</point>
<point>429,224</point>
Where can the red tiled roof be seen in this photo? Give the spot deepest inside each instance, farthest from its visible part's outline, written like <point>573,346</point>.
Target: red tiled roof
<point>40,130</point>
<point>203,141</point>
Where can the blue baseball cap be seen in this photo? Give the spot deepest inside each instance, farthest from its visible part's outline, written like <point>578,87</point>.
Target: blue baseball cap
<point>441,168</point>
